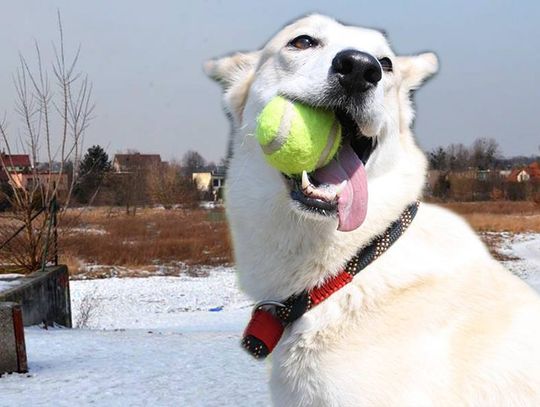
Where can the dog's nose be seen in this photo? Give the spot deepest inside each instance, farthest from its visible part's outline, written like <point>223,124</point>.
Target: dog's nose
<point>356,71</point>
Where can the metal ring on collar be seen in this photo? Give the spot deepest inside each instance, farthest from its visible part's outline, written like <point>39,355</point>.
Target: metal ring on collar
<point>267,302</point>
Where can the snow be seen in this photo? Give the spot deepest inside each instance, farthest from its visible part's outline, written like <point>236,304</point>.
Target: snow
<point>167,341</point>
<point>88,230</point>
<point>181,303</point>
<point>153,341</point>
<point>526,247</point>
<point>135,368</point>
<point>8,281</point>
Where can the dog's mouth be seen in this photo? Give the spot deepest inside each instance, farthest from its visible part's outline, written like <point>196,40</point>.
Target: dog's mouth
<point>339,188</point>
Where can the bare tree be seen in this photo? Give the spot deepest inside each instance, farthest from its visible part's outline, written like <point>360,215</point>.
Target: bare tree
<point>484,153</point>
<point>192,162</point>
<point>459,157</point>
<point>168,186</point>
<point>88,308</point>
<point>129,189</point>
<point>438,159</point>
<point>54,105</point>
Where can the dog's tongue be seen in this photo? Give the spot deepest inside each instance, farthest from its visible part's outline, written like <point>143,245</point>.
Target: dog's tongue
<point>352,202</point>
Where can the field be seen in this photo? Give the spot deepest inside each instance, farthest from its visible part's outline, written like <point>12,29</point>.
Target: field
<point>105,242</point>
<point>100,242</point>
<point>499,216</point>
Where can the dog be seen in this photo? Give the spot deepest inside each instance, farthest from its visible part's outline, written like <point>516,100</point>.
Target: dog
<point>432,321</point>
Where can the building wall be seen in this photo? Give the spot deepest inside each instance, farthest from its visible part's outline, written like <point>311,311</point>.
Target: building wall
<point>523,176</point>
<point>25,181</point>
<point>202,180</point>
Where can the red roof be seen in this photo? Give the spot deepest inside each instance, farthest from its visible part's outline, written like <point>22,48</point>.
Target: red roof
<point>16,160</point>
<point>513,175</point>
<point>533,170</point>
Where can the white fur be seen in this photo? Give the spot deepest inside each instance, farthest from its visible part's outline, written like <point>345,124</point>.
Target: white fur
<point>435,320</point>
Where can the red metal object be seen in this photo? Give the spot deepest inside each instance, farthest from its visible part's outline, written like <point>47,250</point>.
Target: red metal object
<point>20,346</point>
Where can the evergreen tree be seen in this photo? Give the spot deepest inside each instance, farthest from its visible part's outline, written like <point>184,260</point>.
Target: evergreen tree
<point>94,165</point>
<point>438,159</point>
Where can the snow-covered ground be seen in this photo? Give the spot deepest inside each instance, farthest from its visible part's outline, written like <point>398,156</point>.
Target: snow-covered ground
<point>8,281</point>
<point>526,247</point>
<point>164,341</point>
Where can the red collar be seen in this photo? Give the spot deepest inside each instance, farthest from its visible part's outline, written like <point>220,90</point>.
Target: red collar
<point>269,318</point>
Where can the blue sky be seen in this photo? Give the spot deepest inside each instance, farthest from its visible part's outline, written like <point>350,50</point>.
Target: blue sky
<point>145,59</point>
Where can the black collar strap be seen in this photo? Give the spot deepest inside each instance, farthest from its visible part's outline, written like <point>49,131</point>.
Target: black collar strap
<point>269,318</point>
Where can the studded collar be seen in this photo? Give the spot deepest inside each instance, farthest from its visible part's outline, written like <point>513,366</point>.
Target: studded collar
<point>270,318</point>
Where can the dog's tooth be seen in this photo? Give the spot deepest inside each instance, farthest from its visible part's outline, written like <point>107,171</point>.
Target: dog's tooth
<point>305,180</point>
<point>307,186</point>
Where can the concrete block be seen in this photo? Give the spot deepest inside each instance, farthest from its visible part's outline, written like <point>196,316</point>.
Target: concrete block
<point>44,297</point>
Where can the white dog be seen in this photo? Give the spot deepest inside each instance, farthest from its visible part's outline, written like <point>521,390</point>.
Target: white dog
<point>433,321</point>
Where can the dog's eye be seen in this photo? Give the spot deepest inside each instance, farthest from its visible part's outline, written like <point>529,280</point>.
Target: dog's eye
<point>303,42</point>
<point>386,64</point>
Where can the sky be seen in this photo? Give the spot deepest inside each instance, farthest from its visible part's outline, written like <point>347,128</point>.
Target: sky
<point>145,61</point>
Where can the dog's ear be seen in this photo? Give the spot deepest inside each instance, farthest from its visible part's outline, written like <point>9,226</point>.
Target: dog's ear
<point>230,69</point>
<point>235,74</point>
<point>415,70</point>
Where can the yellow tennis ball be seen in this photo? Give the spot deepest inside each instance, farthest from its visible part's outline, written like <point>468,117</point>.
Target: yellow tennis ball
<point>296,137</point>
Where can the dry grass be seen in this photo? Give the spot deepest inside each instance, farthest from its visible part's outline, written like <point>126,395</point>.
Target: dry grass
<point>177,241</point>
<point>499,216</point>
<point>495,207</point>
<point>152,237</point>
<point>504,223</point>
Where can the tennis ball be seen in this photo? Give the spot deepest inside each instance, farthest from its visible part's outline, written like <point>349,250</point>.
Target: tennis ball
<point>296,137</point>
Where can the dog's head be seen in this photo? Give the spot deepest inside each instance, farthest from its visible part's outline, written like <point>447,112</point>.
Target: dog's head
<point>353,72</point>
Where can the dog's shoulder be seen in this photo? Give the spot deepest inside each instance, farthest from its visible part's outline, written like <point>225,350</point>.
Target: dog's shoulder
<point>442,224</point>
<point>438,233</point>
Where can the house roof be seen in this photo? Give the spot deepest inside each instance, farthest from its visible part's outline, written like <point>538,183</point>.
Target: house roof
<point>533,170</point>
<point>137,160</point>
<point>514,174</point>
<point>16,160</point>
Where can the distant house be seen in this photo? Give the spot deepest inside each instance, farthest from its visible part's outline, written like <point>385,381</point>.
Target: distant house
<point>211,181</point>
<point>53,167</point>
<point>519,175</point>
<point>11,164</point>
<point>22,175</point>
<point>483,175</point>
<point>529,173</point>
<point>16,162</point>
<point>47,180</point>
<point>470,174</point>
<point>127,163</point>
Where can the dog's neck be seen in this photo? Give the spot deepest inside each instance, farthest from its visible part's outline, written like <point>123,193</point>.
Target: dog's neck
<point>270,317</point>
<point>280,251</point>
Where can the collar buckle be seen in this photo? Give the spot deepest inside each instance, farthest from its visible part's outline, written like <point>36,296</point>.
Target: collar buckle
<point>266,303</point>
